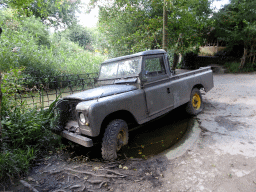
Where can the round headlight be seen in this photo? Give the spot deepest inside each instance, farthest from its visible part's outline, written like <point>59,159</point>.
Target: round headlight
<point>82,118</point>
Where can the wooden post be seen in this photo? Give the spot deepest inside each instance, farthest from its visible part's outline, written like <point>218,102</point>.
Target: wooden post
<point>0,106</point>
<point>165,17</point>
<point>0,97</point>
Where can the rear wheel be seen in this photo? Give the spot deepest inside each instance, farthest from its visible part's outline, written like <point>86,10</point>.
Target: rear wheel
<point>195,105</point>
<point>115,136</point>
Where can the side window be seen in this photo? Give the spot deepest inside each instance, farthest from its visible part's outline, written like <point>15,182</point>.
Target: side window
<point>154,66</point>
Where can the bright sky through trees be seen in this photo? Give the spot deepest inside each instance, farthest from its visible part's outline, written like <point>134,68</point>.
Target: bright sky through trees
<point>88,19</point>
<point>218,4</point>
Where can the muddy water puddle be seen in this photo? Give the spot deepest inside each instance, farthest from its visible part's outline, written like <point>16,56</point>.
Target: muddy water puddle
<point>146,140</point>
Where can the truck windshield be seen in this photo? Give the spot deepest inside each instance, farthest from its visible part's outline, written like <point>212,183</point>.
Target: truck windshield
<point>120,69</point>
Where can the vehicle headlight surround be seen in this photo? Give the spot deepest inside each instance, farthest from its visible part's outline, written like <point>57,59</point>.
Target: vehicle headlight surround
<point>83,119</point>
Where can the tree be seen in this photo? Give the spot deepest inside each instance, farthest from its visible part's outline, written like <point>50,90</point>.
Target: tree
<point>132,26</point>
<point>125,23</point>
<point>235,24</point>
<point>80,35</point>
<point>57,12</point>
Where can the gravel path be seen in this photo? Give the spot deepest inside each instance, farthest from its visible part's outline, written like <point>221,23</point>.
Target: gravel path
<point>224,158</point>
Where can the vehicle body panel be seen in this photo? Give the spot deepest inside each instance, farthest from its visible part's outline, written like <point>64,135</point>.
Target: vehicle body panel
<point>132,101</point>
<point>146,95</point>
<point>99,92</point>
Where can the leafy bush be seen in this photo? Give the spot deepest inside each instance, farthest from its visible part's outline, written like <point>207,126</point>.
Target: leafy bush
<point>22,44</point>
<point>79,34</point>
<point>25,42</point>
<point>14,162</point>
<point>26,134</point>
<point>233,67</point>
<point>38,31</point>
<point>72,59</point>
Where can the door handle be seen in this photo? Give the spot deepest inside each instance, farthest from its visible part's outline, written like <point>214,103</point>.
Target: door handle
<point>168,90</point>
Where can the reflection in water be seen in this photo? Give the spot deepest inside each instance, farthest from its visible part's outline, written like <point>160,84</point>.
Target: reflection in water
<point>157,136</point>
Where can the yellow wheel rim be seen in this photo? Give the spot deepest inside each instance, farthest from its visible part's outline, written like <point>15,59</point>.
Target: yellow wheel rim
<point>196,101</point>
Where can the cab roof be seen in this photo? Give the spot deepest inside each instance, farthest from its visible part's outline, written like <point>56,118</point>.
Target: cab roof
<point>143,53</point>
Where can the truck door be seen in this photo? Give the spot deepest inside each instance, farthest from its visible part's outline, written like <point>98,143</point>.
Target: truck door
<point>157,87</point>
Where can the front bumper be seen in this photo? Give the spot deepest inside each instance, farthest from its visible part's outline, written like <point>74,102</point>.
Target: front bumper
<point>84,141</point>
<point>74,127</point>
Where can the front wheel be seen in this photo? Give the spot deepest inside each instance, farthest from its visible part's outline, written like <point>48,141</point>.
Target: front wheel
<point>195,105</point>
<point>115,136</point>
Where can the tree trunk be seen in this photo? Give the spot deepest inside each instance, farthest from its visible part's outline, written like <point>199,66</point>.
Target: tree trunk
<point>0,107</point>
<point>243,59</point>
<point>0,98</point>
<point>165,17</point>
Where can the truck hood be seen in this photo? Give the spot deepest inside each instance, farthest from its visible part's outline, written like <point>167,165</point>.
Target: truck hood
<point>99,92</point>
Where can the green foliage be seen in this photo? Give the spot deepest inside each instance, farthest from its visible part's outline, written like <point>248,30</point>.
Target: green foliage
<point>233,18</point>
<point>125,25</point>
<point>132,26</point>
<point>72,59</point>
<point>99,42</point>
<point>80,35</point>
<point>38,31</point>
<point>26,43</point>
<point>57,12</point>
<point>16,161</point>
<point>26,46</point>
<point>233,67</point>
<point>26,133</point>
<point>236,25</point>
<point>187,21</point>
<point>8,80</point>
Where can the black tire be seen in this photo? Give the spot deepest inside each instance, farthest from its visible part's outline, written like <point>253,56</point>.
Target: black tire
<point>115,136</point>
<point>195,105</point>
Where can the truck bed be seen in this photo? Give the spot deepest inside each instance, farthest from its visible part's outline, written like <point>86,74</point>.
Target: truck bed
<point>180,71</point>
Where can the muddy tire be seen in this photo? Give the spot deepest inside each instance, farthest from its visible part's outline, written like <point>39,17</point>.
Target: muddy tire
<point>115,136</point>
<point>195,105</point>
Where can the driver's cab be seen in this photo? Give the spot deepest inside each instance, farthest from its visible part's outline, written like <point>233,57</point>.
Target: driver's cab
<point>154,68</point>
<point>138,69</point>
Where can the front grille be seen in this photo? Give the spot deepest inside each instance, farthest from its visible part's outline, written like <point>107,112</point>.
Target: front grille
<point>72,110</point>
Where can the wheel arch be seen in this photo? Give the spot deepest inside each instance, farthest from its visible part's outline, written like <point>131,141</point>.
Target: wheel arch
<point>198,86</point>
<point>121,114</point>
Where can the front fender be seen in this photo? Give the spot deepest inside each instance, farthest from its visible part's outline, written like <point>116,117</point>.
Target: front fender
<point>98,110</point>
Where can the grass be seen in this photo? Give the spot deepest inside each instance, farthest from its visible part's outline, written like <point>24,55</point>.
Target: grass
<point>233,67</point>
<point>26,135</point>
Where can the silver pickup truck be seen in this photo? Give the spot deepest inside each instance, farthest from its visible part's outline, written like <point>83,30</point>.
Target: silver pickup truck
<point>131,90</point>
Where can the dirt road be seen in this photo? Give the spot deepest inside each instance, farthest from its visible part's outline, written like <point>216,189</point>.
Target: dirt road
<point>222,159</point>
